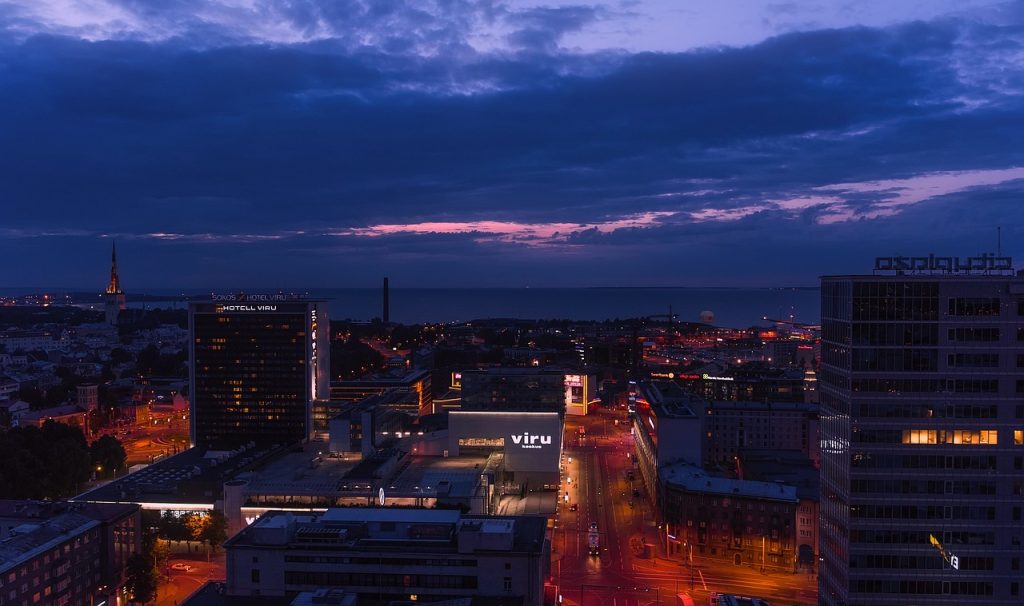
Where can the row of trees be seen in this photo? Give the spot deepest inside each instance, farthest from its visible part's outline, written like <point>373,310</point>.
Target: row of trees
<point>143,568</point>
<point>53,461</point>
<point>210,529</point>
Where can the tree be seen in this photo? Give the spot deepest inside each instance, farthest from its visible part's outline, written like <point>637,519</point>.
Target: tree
<point>173,528</point>
<point>160,551</point>
<point>108,453</point>
<point>196,523</point>
<point>215,532</point>
<point>141,578</point>
<point>152,544</point>
<point>43,463</point>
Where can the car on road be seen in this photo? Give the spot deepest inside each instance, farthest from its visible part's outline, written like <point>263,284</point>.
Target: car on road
<point>181,566</point>
<point>593,526</point>
<point>573,507</point>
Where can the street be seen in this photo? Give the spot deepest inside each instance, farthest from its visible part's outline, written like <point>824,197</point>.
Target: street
<point>631,569</point>
<point>165,434</point>
<point>176,585</point>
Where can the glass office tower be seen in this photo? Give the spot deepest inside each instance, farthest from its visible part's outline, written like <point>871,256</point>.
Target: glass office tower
<point>256,364</point>
<point>922,423</point>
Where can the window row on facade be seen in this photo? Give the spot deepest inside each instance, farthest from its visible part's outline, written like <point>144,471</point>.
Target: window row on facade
<point>923,512</point>
<point>380,561</point>
<point>921,537</point>
<point>922,487</point>
<point>893,461</point>
<point>909,410</point>
<point>922,587</point>
<point>931,561</point>
<point>307,578</point>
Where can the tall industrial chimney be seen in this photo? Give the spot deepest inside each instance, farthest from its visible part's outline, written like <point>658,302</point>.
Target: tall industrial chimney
<point>387,304</point>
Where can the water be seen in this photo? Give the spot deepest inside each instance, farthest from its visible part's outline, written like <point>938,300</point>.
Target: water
<point>736,307</point>
<point>731,306</point>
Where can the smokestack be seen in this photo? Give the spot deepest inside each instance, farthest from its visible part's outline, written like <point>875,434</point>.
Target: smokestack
<point>387,304</point>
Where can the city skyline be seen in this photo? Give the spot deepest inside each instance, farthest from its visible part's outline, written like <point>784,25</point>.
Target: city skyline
<point>486,144</point>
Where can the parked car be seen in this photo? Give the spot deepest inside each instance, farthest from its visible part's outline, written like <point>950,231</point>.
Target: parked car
<point>181,566</point>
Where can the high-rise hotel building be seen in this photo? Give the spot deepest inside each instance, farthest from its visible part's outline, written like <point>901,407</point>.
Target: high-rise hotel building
<point>922,423</point>
<point>256,364</point>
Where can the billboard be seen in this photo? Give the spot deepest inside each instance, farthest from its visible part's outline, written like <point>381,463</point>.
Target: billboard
<point>531,441</point>
<point>577,394</point>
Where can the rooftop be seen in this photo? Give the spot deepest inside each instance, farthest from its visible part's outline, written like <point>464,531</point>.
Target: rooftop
<point>391,378</point>
<point>193,477</point>
<point>790,467</point>
<point>412,530</point>
<point>695,479</point>
<point>35,538</point>
<point>516,370</point>
<point>384,514</point>
<point>669,399</point>
<point>42,510</point>
<point>56,411</point>
<point>212,594</point>
<point>295,474</point>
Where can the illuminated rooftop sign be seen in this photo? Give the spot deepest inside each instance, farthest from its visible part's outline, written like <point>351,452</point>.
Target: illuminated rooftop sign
<point>262,297</point>
<point>984,263</point>
<point>529,440</point>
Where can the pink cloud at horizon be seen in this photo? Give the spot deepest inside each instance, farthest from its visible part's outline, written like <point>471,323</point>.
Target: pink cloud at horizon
<point>538,234</point>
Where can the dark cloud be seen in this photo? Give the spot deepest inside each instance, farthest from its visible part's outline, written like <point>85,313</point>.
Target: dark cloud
<point>243,153</point>
<point>542,28</point>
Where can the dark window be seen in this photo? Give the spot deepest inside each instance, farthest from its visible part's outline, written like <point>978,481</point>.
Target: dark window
<point>973,306</point>
<point>972,334</point>
<point>974,360</point>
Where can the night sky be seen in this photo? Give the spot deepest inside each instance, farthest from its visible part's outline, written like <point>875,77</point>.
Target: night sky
<point>301,144</point>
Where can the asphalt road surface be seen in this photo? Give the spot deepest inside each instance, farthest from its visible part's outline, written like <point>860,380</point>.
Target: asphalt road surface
<point>631,569</point>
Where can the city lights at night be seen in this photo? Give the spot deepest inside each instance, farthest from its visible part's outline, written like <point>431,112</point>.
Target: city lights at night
<point>511,303</point>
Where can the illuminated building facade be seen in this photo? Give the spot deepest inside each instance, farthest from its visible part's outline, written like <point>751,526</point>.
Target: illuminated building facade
<point>579,393</point>
<point>256,364</point>
<point>922,422</point>
<point>739,522</point>
<point>416,383</point>
<point>517,389</point>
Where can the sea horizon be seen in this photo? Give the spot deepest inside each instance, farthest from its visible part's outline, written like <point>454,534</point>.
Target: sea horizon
<point>731,306</point>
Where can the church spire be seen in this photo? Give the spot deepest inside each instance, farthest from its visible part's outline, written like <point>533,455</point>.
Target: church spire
<point>114,287</point>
